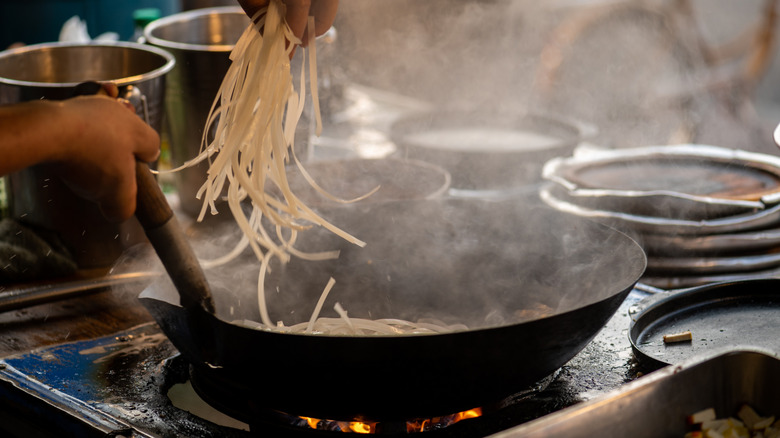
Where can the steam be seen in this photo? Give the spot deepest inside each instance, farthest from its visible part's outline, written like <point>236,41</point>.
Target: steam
<point>640,77</point>
<point>454,54</point>
<point>628,75</point>
<point>472,262</point>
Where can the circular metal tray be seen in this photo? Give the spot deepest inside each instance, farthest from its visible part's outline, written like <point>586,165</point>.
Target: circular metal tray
<point>713,265</point>
<point>670,282</point>
<point>722,317</point>
<point>766,218</point>
<point>748,242</point>
<point>682,173</point>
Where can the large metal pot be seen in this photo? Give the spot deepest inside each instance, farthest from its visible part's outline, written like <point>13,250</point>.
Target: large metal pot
<point>52,71</point>
<point>533,285</point>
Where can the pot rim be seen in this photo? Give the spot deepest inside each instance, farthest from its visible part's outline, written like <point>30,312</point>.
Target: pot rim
<point>155,73</point>
<point>188,16</point>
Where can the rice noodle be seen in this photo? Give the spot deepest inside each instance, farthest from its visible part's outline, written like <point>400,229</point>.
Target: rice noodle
<point>256,111</point>
<point>345,325</point>
<point>350,326</point>
<point>318,307</point>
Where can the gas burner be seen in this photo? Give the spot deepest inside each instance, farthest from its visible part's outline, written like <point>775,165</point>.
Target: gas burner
<point>213,395</point>
<point>120,385</point>
<point>416,425</point>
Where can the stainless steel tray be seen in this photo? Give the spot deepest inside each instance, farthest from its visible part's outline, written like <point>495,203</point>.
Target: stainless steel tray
<point>749,242</point>
<point>669,283</point>
<point>681,177</point>
<point>712,265</point>
<point>657,404</point>
<point>760,219</point>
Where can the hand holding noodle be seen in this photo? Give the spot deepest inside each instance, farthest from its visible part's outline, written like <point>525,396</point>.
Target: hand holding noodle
<point>298,13</point>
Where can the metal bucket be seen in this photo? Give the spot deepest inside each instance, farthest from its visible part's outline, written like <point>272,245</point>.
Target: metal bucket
<point>201,41</point>
<point>52,71</point>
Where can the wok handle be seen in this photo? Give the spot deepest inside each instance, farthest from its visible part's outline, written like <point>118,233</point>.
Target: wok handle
<point>169,242</point>
<point>152,209</point>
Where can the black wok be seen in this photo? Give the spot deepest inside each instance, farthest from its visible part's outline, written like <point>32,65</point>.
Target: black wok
<point>459,260</point>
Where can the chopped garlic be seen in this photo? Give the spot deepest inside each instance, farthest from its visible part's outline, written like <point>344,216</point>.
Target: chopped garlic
<point>749,425</point>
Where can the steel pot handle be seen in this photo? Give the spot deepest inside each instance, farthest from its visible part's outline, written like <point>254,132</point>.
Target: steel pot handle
<point>129,93</point>
<point>134,95</point>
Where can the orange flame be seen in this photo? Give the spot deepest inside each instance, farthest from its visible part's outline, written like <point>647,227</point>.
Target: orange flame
<point>360,427</point>
<point>471,413</point>
<point>312,422</point>
<point>419,425</point>
<point>423,425</point>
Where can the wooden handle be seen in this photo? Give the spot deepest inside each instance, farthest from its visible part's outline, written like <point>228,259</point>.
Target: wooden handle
<point>152,209</point>
<point>169,242</point>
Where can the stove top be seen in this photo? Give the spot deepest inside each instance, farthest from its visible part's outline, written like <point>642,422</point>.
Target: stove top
<point>118,385</point>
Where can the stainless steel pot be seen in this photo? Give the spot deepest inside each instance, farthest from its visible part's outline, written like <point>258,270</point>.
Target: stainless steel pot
<point>52,71</point>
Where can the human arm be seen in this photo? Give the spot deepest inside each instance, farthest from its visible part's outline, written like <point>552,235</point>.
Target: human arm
<point>298,12</point>
<point>93,141</point>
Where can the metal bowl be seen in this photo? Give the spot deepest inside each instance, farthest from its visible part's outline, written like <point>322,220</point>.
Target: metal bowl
<point>688,181</point>
<point>488,152</point>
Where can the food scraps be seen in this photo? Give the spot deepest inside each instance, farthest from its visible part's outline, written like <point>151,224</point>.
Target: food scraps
<point>747,424</point>
<point>685,336</point>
